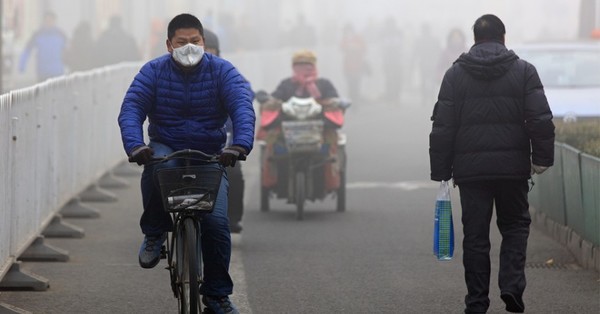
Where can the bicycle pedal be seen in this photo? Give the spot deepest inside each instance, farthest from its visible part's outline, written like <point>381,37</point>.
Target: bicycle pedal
<point>163,252</point>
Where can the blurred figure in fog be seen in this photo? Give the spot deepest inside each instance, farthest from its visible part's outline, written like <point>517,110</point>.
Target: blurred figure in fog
<point>217,24</point>
<point>211,42</point>
<point>80,52</point>
<point>244,36</point>
<point>116,45</point>
<point>235,199</point>
<point>49,43</point>
<point>302,34</point>
<point>456,44</point>
<point>303,83</point>
<point>355,64</point>
<point>156,44</point>
<point>391,44</point>
<point>425,58</point>
<point>225,32</point>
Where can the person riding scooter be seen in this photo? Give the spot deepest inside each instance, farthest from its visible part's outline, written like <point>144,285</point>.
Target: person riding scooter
<point>303,83</point>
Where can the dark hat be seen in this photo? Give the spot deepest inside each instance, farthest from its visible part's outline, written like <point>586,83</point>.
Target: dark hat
<point>211,40</point>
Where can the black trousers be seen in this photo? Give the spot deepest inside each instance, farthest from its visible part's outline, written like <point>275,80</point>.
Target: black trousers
<point>513,219</point>
<point>235,210</point>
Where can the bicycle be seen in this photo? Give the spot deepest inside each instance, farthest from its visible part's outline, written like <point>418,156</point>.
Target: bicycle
<point>188,192</point>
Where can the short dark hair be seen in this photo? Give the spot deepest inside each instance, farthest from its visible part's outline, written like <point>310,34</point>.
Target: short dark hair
<point>184,20</point>
<point>211,40</point>
<point>488,27</point>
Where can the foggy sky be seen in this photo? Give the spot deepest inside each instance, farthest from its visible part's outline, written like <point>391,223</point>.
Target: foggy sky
<point>263,25</point>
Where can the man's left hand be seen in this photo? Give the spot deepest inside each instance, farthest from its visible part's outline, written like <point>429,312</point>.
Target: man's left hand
<point>535,169</point>
<point>230,155</point>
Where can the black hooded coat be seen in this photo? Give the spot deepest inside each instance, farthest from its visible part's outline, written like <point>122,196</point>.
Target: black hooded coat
<point>492,118</point>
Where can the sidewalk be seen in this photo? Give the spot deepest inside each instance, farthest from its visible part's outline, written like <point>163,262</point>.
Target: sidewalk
<point>102,274</point>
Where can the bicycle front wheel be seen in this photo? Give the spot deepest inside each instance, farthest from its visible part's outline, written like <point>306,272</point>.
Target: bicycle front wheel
<point>187,269</point>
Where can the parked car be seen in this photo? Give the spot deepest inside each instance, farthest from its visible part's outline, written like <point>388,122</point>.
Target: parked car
<point>570,73</point>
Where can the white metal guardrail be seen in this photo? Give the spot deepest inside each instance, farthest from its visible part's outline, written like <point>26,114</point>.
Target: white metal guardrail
<point>57,137</point>
<point>61,136</point>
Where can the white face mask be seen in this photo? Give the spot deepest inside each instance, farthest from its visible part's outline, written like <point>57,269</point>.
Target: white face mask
<point>188,55</point>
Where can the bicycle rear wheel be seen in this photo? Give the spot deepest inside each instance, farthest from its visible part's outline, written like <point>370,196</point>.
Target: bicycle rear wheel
<point>187,268</point>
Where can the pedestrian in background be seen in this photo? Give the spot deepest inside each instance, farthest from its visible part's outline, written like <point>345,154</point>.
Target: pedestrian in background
<point>235,202</point>
<point>456,44</point>
<point>424,61</point>
<point>116,45</point>
<point>492,129</point>
<point>392,56</point>
<point>79,55</point>
<point>48,43</point>
<point>156,44</point>
<point>354,58</point>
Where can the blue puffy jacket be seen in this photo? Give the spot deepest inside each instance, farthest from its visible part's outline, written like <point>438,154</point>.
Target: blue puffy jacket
<point>188,109</point>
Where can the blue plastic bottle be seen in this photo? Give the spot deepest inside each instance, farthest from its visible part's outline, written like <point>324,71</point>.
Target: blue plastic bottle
<point>443,232</point>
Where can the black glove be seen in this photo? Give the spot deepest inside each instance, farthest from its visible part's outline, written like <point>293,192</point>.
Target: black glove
<point>231,154</point>
<point>141,155</point>
<point>261,96</point>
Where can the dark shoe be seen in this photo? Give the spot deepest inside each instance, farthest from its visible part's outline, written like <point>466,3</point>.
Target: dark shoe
<point>514,304</point>
<point>235,227</point>
<point>150,251</point>
<point>218,305</point>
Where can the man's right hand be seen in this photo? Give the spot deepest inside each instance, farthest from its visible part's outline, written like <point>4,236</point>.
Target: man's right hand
<point>141,155</point>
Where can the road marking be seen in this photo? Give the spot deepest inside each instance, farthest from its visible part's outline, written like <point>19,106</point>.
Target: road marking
<point>237,273</point>
<point>402,185</point>
<point>236,267</point>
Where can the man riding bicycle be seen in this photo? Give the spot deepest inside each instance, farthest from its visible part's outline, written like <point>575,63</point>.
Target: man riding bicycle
<point>187,96</point>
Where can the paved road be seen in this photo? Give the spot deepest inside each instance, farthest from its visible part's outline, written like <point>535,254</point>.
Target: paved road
<point>374,258</point>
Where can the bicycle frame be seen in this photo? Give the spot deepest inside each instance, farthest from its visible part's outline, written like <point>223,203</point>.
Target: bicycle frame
<point>188,192</point>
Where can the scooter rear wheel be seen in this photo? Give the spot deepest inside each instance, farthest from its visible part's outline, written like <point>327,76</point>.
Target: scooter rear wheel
<point>264,199</point>
<point>341,193</point>
<point>264,192</point>
<point>300,196</point>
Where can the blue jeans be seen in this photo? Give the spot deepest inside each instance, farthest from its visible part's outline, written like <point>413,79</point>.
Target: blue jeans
<point>216,239</point>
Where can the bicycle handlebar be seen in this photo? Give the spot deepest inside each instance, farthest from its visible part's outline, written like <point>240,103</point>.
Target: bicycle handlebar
<point>190,154</point>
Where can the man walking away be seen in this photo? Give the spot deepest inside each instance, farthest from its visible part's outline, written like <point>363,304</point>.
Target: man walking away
<point>492,129</point>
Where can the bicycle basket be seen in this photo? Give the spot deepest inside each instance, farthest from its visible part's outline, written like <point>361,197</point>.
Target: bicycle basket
<point>189,188</point>
<point>303,136</point>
